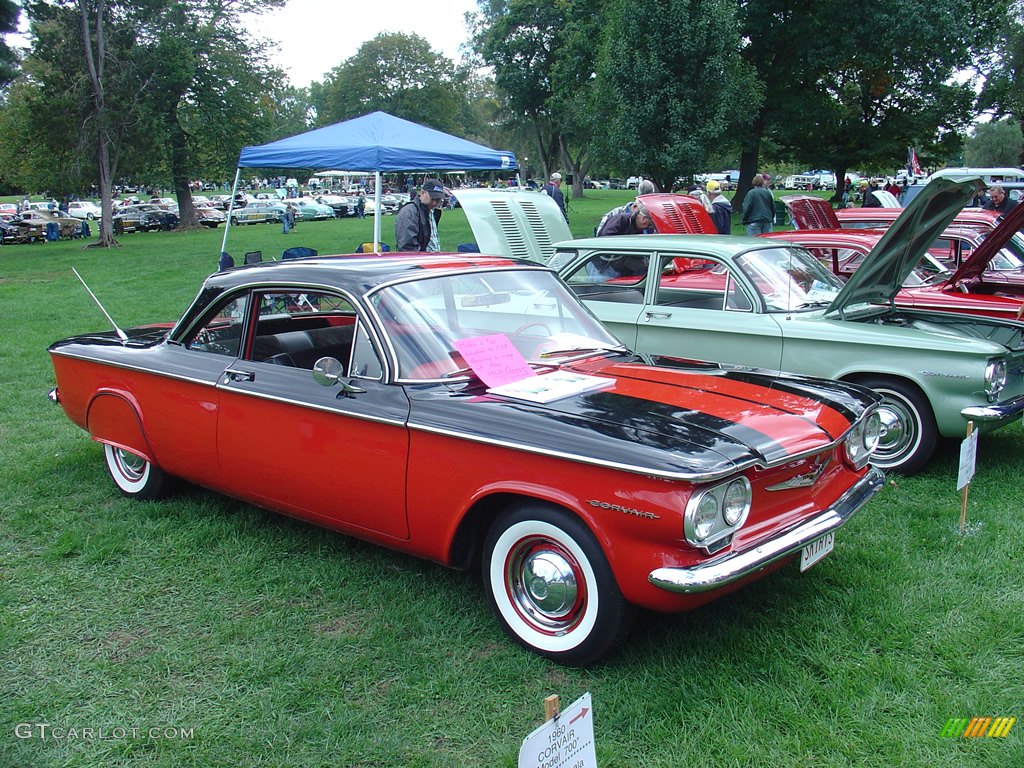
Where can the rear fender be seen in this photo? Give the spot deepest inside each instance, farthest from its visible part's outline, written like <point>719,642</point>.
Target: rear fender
<point>113,419</point>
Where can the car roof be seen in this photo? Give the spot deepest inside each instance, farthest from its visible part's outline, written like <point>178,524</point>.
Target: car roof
<point>712,244</point>
<point>357,273</point>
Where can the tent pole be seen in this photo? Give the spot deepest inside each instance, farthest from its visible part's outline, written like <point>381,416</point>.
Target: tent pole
<point>377,213</point>
<point>231,208</point>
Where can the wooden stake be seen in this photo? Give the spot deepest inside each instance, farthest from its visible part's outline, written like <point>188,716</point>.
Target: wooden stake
<point>963,498</point>
<point>551,707</point>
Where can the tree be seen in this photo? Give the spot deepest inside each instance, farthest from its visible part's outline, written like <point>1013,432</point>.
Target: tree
<point>9,13</point>
<point>860,98</point>
<point>994,145</point>
<point>397,73</point>
<point>672,86</point>
<point>544,56</point>
<point>1003,92</point>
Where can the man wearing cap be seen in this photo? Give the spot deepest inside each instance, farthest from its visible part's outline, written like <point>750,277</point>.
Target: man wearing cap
<point>416,222</point>
<point>553,189</point>
<point>721,208</point>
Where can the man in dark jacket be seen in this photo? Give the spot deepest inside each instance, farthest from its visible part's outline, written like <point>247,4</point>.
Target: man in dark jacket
<point>553,189</point>
<point>999,200</point>
<point>758,208</point>
<point>416,222</point>
<point>634,221</point>
<point>721,208</point>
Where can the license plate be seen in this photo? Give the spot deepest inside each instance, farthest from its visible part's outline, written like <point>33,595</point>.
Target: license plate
<point>816,550</point>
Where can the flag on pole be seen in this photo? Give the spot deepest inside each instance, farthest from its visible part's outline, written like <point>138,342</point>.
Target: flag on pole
<point>913,166</point>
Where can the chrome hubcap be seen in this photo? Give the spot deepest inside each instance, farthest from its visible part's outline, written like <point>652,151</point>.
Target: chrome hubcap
<point>898,432</point>
<point>543,585</point>
<point>133,467</point>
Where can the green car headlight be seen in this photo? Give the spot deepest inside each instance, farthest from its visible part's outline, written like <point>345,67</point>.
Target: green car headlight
<point>995,378</point>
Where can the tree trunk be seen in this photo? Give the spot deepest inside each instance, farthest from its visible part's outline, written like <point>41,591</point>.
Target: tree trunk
<point>180,171</point>
<point>95,59</point>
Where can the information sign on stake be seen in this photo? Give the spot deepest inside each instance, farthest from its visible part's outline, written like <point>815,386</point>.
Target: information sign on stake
<point>968,462</point>
<point>564,741</point>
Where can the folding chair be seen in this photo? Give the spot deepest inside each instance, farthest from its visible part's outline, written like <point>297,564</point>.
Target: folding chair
<point>254,257</point>
<point>299,252</point>
<point>368,248</point>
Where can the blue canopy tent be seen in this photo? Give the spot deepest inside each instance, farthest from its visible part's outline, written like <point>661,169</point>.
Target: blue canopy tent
<point>376,142</point>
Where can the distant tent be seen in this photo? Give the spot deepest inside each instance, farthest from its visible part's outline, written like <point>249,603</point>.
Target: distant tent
<point>376,142</point>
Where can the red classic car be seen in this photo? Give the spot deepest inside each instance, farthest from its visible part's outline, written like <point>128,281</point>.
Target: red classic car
<point>673,482</point>
<point>976,265</point>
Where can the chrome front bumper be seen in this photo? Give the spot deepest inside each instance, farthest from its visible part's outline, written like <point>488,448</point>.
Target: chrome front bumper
<point>995,412</point>
<point>737,565</point>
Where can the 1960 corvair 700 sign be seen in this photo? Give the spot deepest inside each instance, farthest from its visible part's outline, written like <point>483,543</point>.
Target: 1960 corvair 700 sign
<point>671,485</point>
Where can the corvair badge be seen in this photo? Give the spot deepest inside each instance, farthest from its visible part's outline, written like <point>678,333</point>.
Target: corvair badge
<point>945,375</point>
<point>806,480</point>
<point>623,510</point>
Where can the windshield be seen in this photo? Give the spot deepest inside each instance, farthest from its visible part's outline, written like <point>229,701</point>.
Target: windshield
<point>928,271</point>
<point>789,278</point>
<point>1010,258</point>
<point>532,308</point>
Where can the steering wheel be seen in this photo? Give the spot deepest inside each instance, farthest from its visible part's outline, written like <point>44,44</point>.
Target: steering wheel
<point>532,324</point>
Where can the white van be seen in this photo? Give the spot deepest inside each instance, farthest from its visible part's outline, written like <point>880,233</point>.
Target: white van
<point>990,175</point>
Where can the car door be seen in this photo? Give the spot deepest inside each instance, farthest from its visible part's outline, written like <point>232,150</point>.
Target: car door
<point>336,454</point>
<point>612,283</point>
<point>697,307</point>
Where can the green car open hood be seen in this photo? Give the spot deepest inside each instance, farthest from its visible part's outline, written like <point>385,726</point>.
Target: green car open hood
<point>514,222</point>
<point>891,261</point>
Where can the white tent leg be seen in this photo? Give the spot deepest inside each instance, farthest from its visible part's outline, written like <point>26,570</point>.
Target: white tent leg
<point>377,212</point>
<point>231,207</point>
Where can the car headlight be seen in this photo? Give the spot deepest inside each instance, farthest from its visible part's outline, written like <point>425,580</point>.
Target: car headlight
<point>995,378</point>
<point>713,514</point>
<point>863,439</point>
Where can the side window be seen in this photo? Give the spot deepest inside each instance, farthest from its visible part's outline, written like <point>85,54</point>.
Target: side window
<point>222,333</point>
<point>295,328</point>
<point>611,276</point>
<point>691,283</point>
<point>365,363</point>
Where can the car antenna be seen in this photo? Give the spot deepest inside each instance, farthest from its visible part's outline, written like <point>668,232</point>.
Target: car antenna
<point>120,334</point>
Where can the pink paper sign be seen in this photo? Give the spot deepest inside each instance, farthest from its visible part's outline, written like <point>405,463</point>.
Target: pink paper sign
<point>494,359</point>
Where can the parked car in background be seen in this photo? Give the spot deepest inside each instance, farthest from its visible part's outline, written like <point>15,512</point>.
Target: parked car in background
<point>670,483</point>
<point>84,209</point>
<point>33,224</point>
<point>209,216</point>
<point>309,209</point>
<point>135,218</point>
<point>343,205</point>
<point>258,212</point>
<point>751,301</point>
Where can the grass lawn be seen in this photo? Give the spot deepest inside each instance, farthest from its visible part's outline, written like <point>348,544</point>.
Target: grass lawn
<point>230,636</point>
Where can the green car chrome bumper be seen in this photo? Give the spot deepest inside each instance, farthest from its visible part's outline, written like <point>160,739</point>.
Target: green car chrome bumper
<point>736,565</point>
<point>996,411</point>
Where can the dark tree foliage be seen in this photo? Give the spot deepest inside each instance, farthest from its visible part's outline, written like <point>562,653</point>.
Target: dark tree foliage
<point>544,57</point>
<point>671,86</point>
<point>9,13</point>
<point>854,84</point>
<point>1003,93</point>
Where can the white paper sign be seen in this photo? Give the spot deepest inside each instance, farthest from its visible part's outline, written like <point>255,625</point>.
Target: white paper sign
<point>968,459</point>
<point>565,741</point>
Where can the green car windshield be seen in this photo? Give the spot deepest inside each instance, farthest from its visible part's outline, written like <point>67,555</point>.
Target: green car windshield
<point>789,279</point>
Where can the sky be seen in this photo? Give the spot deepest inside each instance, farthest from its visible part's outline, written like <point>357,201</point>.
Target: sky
<point>314,36</point>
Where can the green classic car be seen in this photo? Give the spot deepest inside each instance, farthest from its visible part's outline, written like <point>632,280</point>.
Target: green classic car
<point>766,304</point>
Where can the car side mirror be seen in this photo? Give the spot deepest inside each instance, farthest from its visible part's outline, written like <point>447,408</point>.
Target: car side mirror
<point>327,371</point>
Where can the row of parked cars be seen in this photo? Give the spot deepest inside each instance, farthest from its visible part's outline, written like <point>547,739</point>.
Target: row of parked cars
<point>597,425</point>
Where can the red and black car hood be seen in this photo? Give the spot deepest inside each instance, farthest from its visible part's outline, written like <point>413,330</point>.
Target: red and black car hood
<point>674,418</point>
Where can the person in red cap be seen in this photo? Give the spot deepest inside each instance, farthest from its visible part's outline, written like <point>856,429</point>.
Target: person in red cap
<point>416,222</point>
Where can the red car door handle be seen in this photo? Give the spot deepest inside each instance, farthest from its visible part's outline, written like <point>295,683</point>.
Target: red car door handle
<point>232,375</point>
